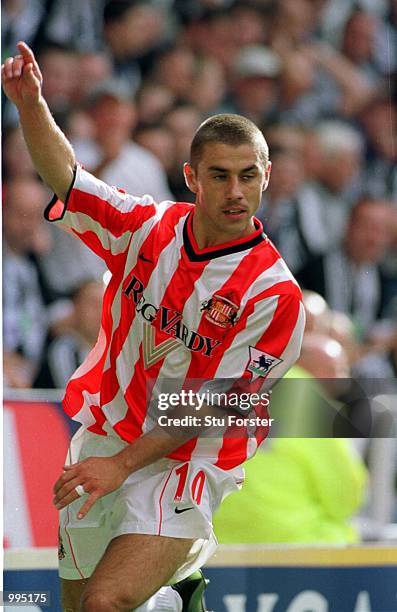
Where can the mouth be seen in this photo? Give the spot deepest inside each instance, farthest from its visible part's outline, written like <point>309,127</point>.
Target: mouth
<point>235,213</point>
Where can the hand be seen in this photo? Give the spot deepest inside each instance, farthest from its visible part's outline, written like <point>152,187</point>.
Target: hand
<point>98,475</point>
<point>21,77</point>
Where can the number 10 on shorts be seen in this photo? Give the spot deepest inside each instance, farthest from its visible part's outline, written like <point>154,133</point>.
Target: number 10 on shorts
<point>197,485</point>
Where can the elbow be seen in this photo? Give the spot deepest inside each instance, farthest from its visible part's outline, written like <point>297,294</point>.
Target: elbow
<point>64,183</point>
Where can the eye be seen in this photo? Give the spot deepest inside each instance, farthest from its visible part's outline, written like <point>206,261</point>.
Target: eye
<point>248,177</point>
<point>219,177</point>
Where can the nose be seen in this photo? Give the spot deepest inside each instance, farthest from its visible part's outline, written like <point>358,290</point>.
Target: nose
<point>234,191</point>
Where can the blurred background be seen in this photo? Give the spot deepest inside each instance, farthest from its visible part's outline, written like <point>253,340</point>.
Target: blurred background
<point>129,82</point>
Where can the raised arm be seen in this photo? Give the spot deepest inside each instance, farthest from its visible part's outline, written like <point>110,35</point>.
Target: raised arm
<point>51,152</point>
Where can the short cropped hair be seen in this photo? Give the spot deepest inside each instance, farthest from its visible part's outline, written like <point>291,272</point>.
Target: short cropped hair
<point>228,129</point>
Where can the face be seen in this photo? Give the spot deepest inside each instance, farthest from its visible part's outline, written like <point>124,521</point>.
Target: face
<point>59,76</point>
<point>228,183</point>
<point>256,94</point>
<point>23,214</point>
<point>287,175</point>
<point>369,234</point>
<point>360,37</point>
<point>340,169</point>
<point>113,115</point>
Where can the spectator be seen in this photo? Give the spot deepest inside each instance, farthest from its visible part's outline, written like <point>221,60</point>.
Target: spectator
<point>59,66</point>
<point>73,24</point>
<point>378,121</point>
<point>349,276</point>
<point>175,69</point>
<point>159,140</point>
<point>325,204</point>
<point>208,88</point>
<point>254,83</point>
<point>380,362</point>
<point>63,262</point>
<point>294,23</point>
<point>133,31</point>
<point>153,102</point>
<point>280,209</point>
<point>368,44</point>
<point>250,22</point>
<point>93,68</point>
<point>182,120</point>
<point>301,490</point>
<point>67,351</point>
<point>320,83</point>
<point>112,153</point>
<point>212,35</point>
<point>341,328</point>
<point>336,60</point>
<point>20,20</point>
<point>317,313</point>
<point>24,317</point>
<point>16,159</point>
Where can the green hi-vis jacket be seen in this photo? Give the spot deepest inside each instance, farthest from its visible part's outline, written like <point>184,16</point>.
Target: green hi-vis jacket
<point>296,490</point>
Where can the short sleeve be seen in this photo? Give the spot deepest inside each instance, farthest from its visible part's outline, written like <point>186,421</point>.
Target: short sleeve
<point>103,217</point>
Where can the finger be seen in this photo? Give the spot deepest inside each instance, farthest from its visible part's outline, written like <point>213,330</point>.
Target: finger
<point>8,67</point>
<point>17,66</point>
<point>66,499</point>
<point>26,52</point>
<point>88,505</point>
<point>29,58</point>
<point>64,478</point>
<point>29,77</point>
<point>66,490</point>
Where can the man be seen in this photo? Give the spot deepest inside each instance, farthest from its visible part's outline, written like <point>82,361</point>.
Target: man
<point>349,276</point>
<point>24,317</point>
<point>197,292</point>
<point>323,205</point>
<point>255,75</point>
<point>111,152</point>
<point>313,486</point>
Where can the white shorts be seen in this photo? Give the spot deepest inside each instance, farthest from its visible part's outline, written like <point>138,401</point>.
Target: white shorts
<point>166,498</point>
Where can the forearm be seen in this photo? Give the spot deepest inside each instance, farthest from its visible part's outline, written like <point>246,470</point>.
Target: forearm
<point>149,448</point>
<point>164,439</point>
<point>353,84</point>
<point>51,152</point>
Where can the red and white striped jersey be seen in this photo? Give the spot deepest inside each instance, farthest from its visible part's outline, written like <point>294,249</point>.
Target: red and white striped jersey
<point>172,310</point>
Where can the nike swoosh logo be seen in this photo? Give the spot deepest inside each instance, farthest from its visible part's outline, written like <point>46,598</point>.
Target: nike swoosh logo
<point>141,256</point>
<point>180,510</point>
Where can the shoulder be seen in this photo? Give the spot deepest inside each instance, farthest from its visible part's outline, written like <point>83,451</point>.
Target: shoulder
<point>274,276</point>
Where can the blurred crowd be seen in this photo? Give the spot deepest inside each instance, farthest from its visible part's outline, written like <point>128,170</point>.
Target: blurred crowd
<point>129,82</point>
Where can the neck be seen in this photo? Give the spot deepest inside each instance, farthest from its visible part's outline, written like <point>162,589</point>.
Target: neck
<point>210,237</point>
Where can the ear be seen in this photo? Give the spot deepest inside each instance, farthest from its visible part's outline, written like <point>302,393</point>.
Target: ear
<point>267,175</point>
<point>190,177</point>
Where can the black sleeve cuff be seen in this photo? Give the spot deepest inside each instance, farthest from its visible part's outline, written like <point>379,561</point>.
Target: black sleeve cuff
<point>56,209</point>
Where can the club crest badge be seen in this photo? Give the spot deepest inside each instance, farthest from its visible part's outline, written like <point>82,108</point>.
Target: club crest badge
<point>220,310</point>
<point>260,363</point>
